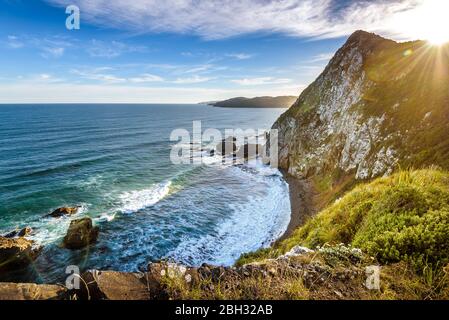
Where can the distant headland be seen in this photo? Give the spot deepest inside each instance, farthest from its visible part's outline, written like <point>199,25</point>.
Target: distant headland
<point>257,102</point>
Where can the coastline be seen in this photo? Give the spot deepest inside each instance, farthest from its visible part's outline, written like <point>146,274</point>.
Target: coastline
<point>300,193</point>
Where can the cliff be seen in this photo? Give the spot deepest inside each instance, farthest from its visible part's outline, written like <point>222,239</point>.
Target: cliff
<point>378,105</point>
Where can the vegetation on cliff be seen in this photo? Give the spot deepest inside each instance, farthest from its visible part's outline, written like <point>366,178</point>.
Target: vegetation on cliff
<point>401,219</point>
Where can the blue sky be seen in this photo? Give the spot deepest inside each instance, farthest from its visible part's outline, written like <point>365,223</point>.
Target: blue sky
<point>180,50</point>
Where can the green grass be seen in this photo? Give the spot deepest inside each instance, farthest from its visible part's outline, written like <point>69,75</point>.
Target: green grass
<point>404,217</point>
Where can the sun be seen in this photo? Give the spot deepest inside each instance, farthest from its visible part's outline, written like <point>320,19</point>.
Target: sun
<point>428,21</point>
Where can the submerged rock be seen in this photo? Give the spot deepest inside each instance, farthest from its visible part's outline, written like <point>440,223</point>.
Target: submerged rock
<point>112,285</point>
<point>64,211</point>
<point>19,233</point>
<point>16,253</point>
<point>80,234</point>
<point>30,291</point>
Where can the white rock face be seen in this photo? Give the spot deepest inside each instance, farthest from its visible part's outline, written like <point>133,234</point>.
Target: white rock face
<point>326,129</point>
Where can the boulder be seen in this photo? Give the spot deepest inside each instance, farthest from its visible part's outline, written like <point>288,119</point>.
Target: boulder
<point>30,291</point>
<point>227,146</point>
<point>19,233</point>
<point>112,285</point>
<point>16,253</point>
<point>64,211</point>
<point>80,234</point>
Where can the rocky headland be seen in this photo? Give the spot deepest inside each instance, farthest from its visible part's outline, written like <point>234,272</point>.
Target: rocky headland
<point>365,150</point>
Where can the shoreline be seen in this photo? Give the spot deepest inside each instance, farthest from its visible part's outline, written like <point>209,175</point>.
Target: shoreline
<point>300,193</point>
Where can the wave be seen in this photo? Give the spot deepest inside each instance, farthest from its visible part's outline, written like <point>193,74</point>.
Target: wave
<point>251,225</point>
<point>49,230</point>
<point>134,201</point>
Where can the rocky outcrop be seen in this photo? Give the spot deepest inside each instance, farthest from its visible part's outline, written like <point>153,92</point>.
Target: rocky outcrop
<point>80,234</point>
<point>64,211</point>
<point>227,146</point>
<point>370,111</point>
<point>19,233</point>
<point>112,285</point>
<point>16,253</point>
<point>30,291</point>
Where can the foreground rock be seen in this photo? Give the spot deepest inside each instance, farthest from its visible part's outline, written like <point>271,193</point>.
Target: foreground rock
<point>16,253</point>
<point>19,233</point>
<point>112,285</point>
<point>64,211</point>
<point>29,291</point>
<point>80,234</point>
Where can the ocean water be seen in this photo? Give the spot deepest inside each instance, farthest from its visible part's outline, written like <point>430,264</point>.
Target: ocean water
<point>113,160</point>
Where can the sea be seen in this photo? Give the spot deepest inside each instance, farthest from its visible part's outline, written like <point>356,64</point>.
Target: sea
<point>113,160</point>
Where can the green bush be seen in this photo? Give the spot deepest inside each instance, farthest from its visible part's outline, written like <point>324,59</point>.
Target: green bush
<point>404,217</point>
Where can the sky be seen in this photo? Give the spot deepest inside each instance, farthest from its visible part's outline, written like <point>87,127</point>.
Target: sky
<point>188,51</point>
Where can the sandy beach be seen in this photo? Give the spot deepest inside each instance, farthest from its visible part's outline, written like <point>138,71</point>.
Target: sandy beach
<point>301,203</point>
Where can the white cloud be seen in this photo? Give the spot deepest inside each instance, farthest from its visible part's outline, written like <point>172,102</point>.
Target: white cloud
<point>192,80</point>
<point>260,81</point>
<point>146,78</point>
<point>214,19</point>
<point>14,42</point>
<point>323,57</point>
<point>240,56</point>
<point>101,49</point>
<point>52,52</point>
<point>98,74</point>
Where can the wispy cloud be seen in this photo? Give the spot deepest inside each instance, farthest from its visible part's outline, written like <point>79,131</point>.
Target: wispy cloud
<point>323,57</point>
<point>102,49</point>
<point>146,78</point>
<point>52,52</point>
<point>260,81</point>
<point>240,56</point>
<point>99,74</point>
<point>192,80</point>
<point>14,42</point>
<point>215,20</point>
<point>53,47</point>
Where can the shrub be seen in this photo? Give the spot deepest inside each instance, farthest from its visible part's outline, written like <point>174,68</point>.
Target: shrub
<point>404,217</point>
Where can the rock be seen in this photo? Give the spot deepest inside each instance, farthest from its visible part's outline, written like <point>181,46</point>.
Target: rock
<point>19,233</point>
<point>331,130</point>
<point>227,146</point>
<point>297,251</point>
<point>64,211</point>
<point>16,253</point>
<point>249,151</point>
<point>29,291</point>
<point>80,234</point>
<point>212,153</point>
<point>160,270</point>
<point>112,285</point>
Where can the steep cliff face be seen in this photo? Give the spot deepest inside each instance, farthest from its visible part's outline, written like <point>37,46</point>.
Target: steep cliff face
<point>378,105</point>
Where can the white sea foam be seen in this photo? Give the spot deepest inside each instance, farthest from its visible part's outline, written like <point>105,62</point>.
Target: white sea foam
<point>134,201</point>
<point>48,230</point>
<point>250,226</point>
